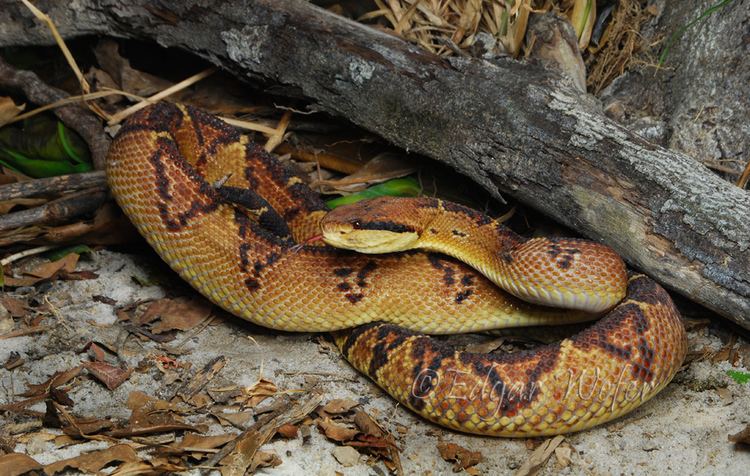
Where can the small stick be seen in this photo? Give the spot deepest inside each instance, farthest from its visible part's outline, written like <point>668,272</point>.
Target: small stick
<point>248,125</point>
<point>61,43</point>
<point>742,181</point>
<point>75,100</point>
<point>278,135</point>
<point>25,332</point>
<point>58,210</point>
<point>61,183</point>
<point>115,119</point>
<point>23,254</point>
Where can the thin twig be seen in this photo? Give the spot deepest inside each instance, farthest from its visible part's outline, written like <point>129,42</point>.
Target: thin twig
<point>25,332</point>
<point>23,254</point>
<point>61,43</point>
<point>278,134</point>
<point>117,118</point>
<point>52,185</point>
<point>248,125</point>
<point>59,210</point>
<point>81,98</point>
<point>742,181</point>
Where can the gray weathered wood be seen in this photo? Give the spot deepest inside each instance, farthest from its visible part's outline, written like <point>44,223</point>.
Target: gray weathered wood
<point>512,127</point>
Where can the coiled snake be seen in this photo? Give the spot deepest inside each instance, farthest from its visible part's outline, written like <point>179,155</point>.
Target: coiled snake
<point>235,224</point>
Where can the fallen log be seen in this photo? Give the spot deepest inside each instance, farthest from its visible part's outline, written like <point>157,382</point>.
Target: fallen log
<point>513,127</point>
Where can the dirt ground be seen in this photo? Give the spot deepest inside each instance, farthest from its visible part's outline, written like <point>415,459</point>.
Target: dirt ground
<point>684,430</point>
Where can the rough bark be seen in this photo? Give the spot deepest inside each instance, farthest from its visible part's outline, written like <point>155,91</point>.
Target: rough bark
<point>513,127</point>
<point>59,184</point>
<point>699,101</point>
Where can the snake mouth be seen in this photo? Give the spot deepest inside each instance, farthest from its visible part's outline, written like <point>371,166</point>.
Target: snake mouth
<point>369,241</point>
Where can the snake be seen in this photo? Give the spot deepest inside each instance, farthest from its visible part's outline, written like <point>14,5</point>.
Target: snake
<point>243,229</point>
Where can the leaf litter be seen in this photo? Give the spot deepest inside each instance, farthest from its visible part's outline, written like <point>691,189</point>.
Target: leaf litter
<point>177,424</point>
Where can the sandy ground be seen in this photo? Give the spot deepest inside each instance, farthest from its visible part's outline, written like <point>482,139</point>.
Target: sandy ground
<point>682,431</point>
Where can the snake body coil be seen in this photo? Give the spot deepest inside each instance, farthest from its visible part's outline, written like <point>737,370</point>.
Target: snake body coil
<point>228,218</point>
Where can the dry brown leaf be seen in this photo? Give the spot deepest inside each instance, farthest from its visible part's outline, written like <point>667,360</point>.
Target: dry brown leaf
<point>563,454</point>
<point>147,410</point>
<point>336,431</point>
<point>176,314</point>
<point>200,400</point>
<point>6,178</point>
<point>201,378</point>
<point>9,110</point>
<point>6,322</point>
<point>367,425</point>
<point>130,431</point>
<point>80,427</point>
<point>96,352</point>
<point>743,353</point>
<point>95,461</point>
<point>264,459</point>
<point>146,467</point>
<point>247,444</point>
<point>44,271</point>
<point>722,355</point>
<point>110,375</point>
<point>459,456</point>
<point>325,157</point>
<point>83,428</point>
<point>15,464</point>
<point>61,441</point>
<point>383,167</point>
<point>47,270</point>
<point>288,431</point>
<point>15,307</point>
<point>237,420</point>
<point>252,396</point>
<point>539,457</point>
<point>128,78</point>
<point>155,465</point>
<point>57,379</point>
<point>339,405</point>
<point>486,347</point>
<point>36,436</point>
<point>346,455</point>
<point>14,360</point>
<point>194,440</point>
<point>742,437</point>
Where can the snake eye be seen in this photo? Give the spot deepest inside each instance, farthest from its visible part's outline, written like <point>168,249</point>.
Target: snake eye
<point>356,223</point>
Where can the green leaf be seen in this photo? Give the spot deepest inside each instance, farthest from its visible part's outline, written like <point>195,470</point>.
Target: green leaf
<point>60,253</point>
<point>39,168</point>
<point>402,187</point>
<point>72,144</point>
<point>739,377</point>
<point>43,147</point>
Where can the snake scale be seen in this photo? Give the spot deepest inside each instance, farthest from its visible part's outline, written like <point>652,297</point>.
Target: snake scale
<point>236,224</point>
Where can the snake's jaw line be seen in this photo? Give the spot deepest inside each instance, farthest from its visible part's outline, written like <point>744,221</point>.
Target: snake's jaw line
<point>371,241</point>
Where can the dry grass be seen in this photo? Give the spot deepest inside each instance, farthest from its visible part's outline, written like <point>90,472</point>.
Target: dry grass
<point>618,46</point>
<point>446,27</point>
<point>443,26</point>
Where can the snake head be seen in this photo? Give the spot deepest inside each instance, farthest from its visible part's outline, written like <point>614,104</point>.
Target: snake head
<point>371,226</point>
